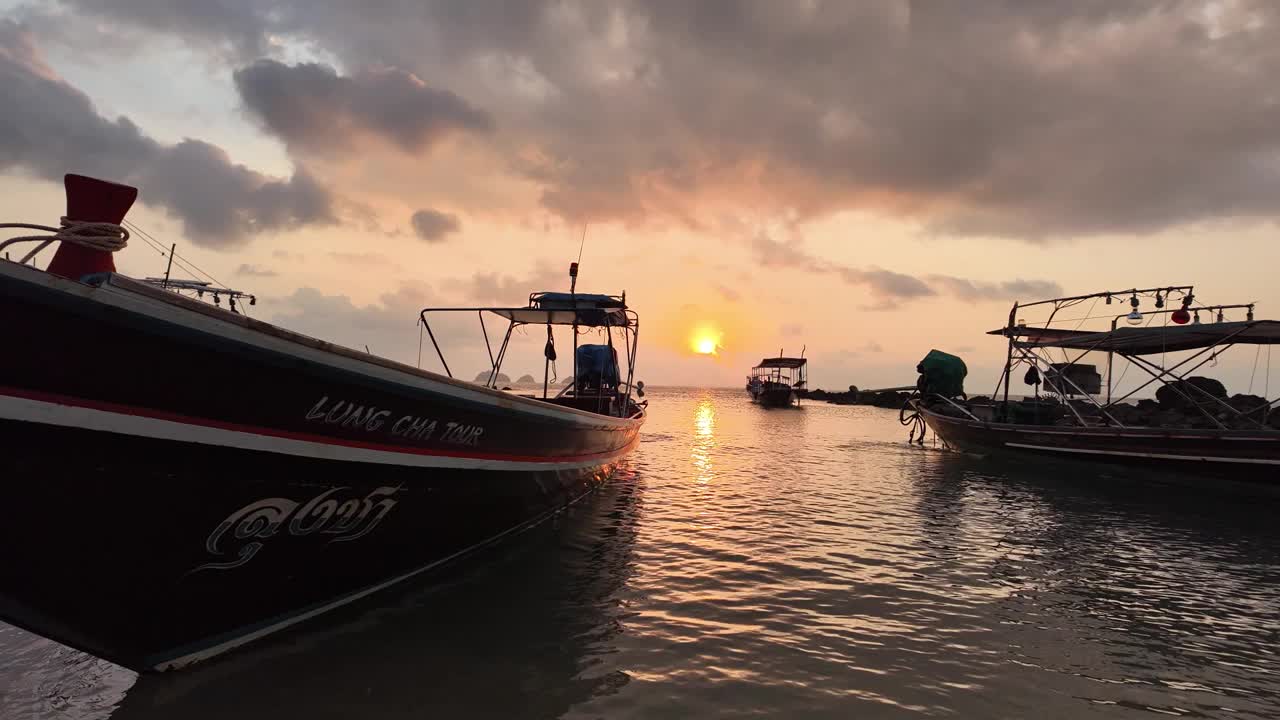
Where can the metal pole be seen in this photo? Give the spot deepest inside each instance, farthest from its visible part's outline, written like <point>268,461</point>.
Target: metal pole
<point>435,344</point>
<point>1008,359</point>
<point>165,284</point>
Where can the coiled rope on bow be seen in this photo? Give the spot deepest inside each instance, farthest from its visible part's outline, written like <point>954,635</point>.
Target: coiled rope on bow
<point>914,419</point>
<point>102,236</point>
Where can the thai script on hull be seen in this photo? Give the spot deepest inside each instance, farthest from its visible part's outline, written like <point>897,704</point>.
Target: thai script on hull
<point>239,537</point>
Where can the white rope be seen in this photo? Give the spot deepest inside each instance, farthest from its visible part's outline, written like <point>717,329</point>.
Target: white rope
<point>105,237</point>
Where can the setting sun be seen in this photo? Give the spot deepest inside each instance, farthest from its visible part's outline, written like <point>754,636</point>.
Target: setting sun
<point>705,342</point>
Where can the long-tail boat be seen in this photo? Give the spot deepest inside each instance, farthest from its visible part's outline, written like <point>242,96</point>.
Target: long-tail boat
<point>182,479</point>
<point>1191,426</point>
<point>776,381</point>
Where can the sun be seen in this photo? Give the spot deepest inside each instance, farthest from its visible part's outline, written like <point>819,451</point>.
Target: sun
<point>705,342</point>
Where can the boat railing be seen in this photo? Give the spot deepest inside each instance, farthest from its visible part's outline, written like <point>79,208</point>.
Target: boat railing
<point>1031,345</point>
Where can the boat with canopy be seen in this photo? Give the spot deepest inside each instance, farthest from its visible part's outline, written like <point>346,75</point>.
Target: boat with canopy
<point>1077,409</point>
<point>775,382</point>
<point>183,479</point>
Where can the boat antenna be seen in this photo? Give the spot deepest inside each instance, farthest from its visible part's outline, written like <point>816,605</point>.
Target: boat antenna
<point>573,267</point>
<point>802,349</point>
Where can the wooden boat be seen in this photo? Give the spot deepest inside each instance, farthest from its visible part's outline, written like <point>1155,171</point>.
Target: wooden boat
<point>182,479</point>
<point>1191,429</point>
<point>774,382</point>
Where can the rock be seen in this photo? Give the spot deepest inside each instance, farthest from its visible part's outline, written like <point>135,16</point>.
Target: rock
<point>853,389</point>
<point>1168,395</point>
<point>1147,405</point>
<point>1251,405</point>
<point>526,380</point>
<point>483,377</point>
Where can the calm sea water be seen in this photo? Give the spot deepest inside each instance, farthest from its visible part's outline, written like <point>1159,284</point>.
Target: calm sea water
<point>779,563</point>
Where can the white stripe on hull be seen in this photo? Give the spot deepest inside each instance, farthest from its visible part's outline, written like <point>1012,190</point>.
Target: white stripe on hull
<point>1154,456</point>
<point>47,413</point>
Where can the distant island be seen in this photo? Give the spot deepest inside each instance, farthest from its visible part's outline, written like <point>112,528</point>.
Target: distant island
<point>526,379</point>
<point>483,377</point>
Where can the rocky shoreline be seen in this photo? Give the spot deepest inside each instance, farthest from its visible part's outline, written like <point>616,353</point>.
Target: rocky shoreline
<point>854,396</point>
<point>1175,406</point>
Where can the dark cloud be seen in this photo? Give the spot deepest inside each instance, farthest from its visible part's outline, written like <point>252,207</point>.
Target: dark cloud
<point>1029,119</point>
<point>256,271</point>
<point>1019,289</point>
<point>50,128</point>
<point>433,225</point>
<point>237,28</point>
<point>311,106</point>
<point>887,287</point>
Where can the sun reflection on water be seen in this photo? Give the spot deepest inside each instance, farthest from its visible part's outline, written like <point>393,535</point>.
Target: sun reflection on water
<point>704,440</point>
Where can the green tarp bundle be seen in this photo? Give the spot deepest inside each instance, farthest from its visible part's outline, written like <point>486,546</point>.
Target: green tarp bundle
<point>942,373</point>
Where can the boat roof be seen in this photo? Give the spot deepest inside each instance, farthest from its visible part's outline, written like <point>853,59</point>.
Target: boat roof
<point>1152,340</point>
<point>782,362</point>
<point>560,308</point>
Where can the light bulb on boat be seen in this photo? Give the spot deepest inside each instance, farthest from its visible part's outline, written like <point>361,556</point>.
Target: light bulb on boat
<point>1134,318</point>
<point>1196,320</point>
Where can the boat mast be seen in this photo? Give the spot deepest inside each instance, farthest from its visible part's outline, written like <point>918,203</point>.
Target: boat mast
<point>573,291</point>
<point>1008,358</point>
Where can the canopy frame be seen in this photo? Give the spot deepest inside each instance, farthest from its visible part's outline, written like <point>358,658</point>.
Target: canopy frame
<point>546,309</point>
<point>1031,345</point>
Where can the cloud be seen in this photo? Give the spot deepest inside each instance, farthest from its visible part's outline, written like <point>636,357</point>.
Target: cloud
<point>256,271</point>
<point>1035,120</point>
<point>971,291</point>
<point>387,326</point>
<point>311,106</point>
<point>367,259</point>
<point>495,289</point>
<point>727,292</point>
<point>889,288</point>
<point>50,128</point>
<point>433,225</point>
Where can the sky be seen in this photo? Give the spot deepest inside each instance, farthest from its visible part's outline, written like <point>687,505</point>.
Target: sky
<point>863,181</point>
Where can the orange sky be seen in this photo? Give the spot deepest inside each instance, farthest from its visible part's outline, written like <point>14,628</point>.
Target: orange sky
<point>773,201</point>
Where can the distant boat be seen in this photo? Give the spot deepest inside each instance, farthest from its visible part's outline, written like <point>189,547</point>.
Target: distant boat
<point>181,479</point>
<point>774,382</point>
<point>1192,428</point>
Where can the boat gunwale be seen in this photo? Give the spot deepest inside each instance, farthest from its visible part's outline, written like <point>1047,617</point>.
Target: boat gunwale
<point>85,289</point>
<point>1142,431</point>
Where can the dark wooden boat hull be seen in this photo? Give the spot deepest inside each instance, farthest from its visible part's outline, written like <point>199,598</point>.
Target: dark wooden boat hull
<point>182,481</point>
<point>773,397</point>
<point>1234,454</point>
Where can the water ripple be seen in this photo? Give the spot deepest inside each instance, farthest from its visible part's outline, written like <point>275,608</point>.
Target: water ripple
<point>804,563</point>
